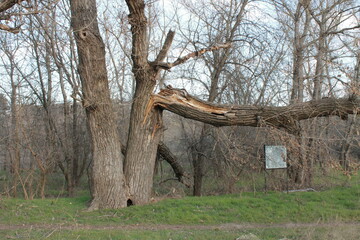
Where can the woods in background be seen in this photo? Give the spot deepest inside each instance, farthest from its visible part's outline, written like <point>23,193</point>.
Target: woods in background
<point>75,89</point>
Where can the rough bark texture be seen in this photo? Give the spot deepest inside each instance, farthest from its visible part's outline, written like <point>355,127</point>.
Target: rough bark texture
<point>200,158</point>
<point>166,154</point>
<point>144,131</point>
<point>144,136</point>
<point>180,102</point>
<point>179,171</point>
<point>107,164</point>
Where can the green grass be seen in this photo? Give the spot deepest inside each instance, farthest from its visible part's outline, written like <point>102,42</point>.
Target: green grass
<point>301,233</point>
<point>341,204</point>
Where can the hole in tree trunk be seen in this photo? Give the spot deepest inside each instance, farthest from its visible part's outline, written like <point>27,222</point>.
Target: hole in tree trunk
<point>129,202</point>
<point>83,34</point>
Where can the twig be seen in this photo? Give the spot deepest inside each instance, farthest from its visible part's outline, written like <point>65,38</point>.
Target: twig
<point>181,60</point>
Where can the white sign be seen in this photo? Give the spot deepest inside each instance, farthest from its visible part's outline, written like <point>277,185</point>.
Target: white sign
<point>275,157</point>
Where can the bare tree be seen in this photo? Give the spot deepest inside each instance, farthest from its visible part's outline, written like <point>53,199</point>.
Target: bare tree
<point>134,184</point>
<point>211,17</point>
<point>108,188</point>
<point>9,62</point>
<point>123,177</point>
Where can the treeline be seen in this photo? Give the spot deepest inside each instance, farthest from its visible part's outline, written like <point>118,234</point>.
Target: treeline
<point>68,71</point>
<point>233,154</point>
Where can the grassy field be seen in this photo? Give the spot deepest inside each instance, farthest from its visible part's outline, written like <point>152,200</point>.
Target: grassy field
<point>331,214</point>
<point>302,233</point>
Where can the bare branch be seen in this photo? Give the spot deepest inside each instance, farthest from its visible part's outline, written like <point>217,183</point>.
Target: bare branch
<point>7,28</point>
<point>165,48</point>
<point>179,171</point>
<point>198,53</point>
<point>7,4</point>
<point>343,30</point>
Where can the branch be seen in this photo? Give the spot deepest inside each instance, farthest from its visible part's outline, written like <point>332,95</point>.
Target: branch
<point>7,4</point>
<point>168,156</point>
<point>343,30</point>
<point>165,48</point>
<point>7,28</point>
<point>180,102</point>
<point>138,22</point>
<point>179,171</point>
<point>181,60</point>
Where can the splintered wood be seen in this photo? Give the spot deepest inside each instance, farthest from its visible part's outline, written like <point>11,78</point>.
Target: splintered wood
<point>180,102</point>
<point>171,95</point>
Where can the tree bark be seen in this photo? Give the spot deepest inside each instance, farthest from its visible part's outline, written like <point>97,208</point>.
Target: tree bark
<point>172,160</point>
<point>179,171</point>
<point>143,140</point>
<point>145,126</point>
<point>200,158</point>
<point>180,102</point>
<point>107,163</point>
<point>14,143</point>
<point>297,92</point>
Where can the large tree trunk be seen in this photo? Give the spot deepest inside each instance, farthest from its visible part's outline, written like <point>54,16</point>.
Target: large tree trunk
<point>145,122</point>
<point>143,140</point>
<point>107,163</point>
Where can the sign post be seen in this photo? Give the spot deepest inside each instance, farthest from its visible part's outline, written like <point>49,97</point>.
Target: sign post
<point>275,158</point>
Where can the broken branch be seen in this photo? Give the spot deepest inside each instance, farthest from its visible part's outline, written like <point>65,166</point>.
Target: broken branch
<point>178,102</point>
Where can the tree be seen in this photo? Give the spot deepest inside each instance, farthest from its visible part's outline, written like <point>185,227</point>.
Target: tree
<point>108,189</point>
<point>230,16</point>
<point>312,30</point>
<point>118,181</point>
<point>10,62</point>
<point>145,126</point>
<point>4,107</point>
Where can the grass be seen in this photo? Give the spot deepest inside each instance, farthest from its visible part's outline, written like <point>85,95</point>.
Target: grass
<point>342,204</point>
<point>301,233</point>
<point>261,214</point>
